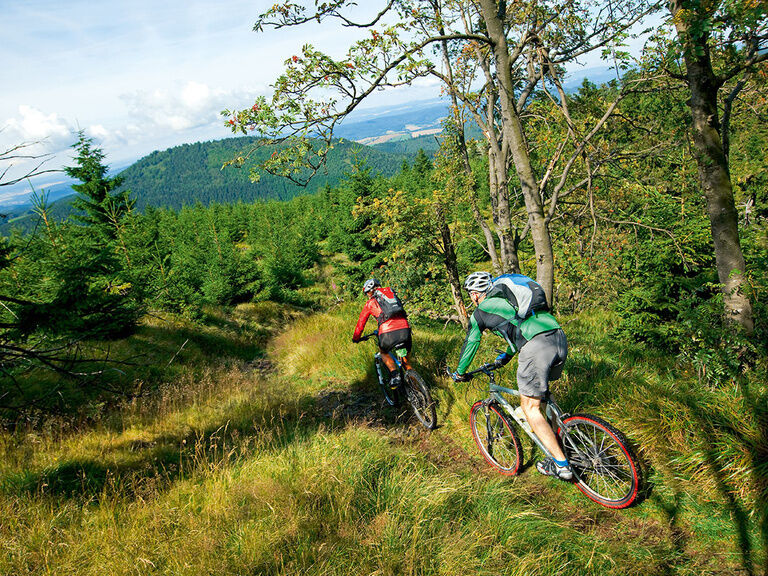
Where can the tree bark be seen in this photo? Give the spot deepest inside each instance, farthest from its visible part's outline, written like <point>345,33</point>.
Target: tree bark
<point>462,142</point>
<point>490,243</point>
<point>499,186</point>
<point>714,172</point>
<point>451,268</point>
<point>515,139</point>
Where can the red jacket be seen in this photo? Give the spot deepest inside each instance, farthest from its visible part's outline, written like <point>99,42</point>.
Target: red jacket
<point>372,308</point>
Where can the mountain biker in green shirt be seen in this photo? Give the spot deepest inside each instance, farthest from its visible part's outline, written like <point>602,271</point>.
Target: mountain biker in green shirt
<point>543,349</point>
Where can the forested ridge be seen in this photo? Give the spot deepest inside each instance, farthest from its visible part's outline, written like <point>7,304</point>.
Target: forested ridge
<point>179,389</point>
<point>192,173</point>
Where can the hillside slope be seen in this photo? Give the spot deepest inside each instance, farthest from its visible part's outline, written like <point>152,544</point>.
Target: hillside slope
<point>193,173</point>
<point>291,465</point>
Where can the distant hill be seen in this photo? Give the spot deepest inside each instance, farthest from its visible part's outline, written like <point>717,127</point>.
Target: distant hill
<point>430,143</point>
<point>407,146</point>
<point>192,173</point>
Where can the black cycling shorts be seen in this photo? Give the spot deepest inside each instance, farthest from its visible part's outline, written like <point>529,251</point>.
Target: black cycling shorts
<point>389,340</point>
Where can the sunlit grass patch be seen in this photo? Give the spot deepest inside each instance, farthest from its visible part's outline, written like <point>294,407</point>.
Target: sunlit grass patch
<point>227,468</point>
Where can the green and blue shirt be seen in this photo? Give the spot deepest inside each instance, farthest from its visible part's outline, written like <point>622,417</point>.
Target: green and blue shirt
<point>496,313</point>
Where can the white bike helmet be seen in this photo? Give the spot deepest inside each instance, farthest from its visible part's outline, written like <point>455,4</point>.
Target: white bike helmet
<point>478,282</point>
<point>370,284</point>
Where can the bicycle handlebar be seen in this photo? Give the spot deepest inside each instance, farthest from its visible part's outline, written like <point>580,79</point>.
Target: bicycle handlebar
<point>369,336</point>
<point>486,369</point>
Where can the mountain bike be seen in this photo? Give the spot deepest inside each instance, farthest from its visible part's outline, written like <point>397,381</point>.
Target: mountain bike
<point>604,466</point>
<point>411,386</point>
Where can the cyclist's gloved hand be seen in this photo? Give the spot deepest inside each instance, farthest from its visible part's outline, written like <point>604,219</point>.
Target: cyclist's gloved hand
<point>461,377</point>
<point>355,340</point>
<point>502,359</point>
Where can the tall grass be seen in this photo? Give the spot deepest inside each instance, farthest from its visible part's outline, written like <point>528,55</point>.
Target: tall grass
<point>227,469</point>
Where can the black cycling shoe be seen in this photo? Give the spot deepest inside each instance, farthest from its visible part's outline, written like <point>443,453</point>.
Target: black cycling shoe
<point>549,467</point>
<point>395,382</point>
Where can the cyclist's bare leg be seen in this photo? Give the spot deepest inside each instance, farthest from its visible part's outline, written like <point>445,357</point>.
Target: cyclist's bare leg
<point>388,360</point>
<point>540,426</point>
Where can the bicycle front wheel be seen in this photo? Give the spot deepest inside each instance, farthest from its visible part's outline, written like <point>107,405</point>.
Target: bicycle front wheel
<point>420,399</point>
<point>496,438</point>
<point>604,467</point>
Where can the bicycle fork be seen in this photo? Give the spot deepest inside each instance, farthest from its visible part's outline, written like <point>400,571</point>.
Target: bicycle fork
<point>378,363</point>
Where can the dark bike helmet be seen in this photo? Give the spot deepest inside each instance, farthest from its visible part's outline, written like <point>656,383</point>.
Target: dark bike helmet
<point>478,282</point>
<point>370,284</point>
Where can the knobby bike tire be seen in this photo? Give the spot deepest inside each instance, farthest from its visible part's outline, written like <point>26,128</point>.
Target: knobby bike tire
<point>420,400</point>
<point>496,438</point>
<point>605,468</point>
<point>391,396</point>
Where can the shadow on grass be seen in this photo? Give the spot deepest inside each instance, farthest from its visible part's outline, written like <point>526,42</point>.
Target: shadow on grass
<point>150,357</point>
<point>718,436</point>
<point>138,468</point>
<point>141,468</point>
<point>161,342</point>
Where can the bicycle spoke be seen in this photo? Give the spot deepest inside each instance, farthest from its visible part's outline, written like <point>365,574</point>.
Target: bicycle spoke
<point>495,438</point>
<point>601,465</point>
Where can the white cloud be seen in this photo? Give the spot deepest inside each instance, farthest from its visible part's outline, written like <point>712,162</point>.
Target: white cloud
<point>195,96</point>
<point>181,108</point>
<point>33,125</point>
<point>32,141</point>
<point>97,131</point>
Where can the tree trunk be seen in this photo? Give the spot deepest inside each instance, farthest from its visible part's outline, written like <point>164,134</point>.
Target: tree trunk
<point>514,138</point>
<point>490,243</point>
<point>499,183</point>
<point>451,268</point>
<point>714,172</point>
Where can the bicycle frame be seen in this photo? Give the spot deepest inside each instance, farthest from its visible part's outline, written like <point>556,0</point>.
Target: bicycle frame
<point>394,357</point>
<point>392,354</point>
<point>553,413</point>
<point>398,362</point>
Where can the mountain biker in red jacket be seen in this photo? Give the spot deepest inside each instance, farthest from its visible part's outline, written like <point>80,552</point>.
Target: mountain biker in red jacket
<point>396,330</point>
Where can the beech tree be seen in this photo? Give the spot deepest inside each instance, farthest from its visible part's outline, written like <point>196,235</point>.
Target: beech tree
<point>508,50</point>
<point>717,48</point>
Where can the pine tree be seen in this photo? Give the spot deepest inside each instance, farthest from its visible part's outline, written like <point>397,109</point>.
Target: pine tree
<point>103,206</point>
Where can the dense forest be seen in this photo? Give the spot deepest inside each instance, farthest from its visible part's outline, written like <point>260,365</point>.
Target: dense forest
<point>641,211</point>
<point>192,173</point>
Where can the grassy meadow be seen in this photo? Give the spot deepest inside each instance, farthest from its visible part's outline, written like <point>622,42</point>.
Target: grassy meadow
<point>258,449</point>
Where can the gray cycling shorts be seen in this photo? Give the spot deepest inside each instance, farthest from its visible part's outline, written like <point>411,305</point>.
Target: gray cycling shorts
<point>541,359</point>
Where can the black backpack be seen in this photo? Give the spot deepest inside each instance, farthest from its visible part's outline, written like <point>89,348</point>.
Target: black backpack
<point>389,306</point>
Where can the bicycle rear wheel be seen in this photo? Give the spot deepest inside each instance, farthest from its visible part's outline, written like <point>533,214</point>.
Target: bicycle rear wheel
<point>420,399</point>
<point>391,396</point>
<point>496,438</point>
<point>604,467</point>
